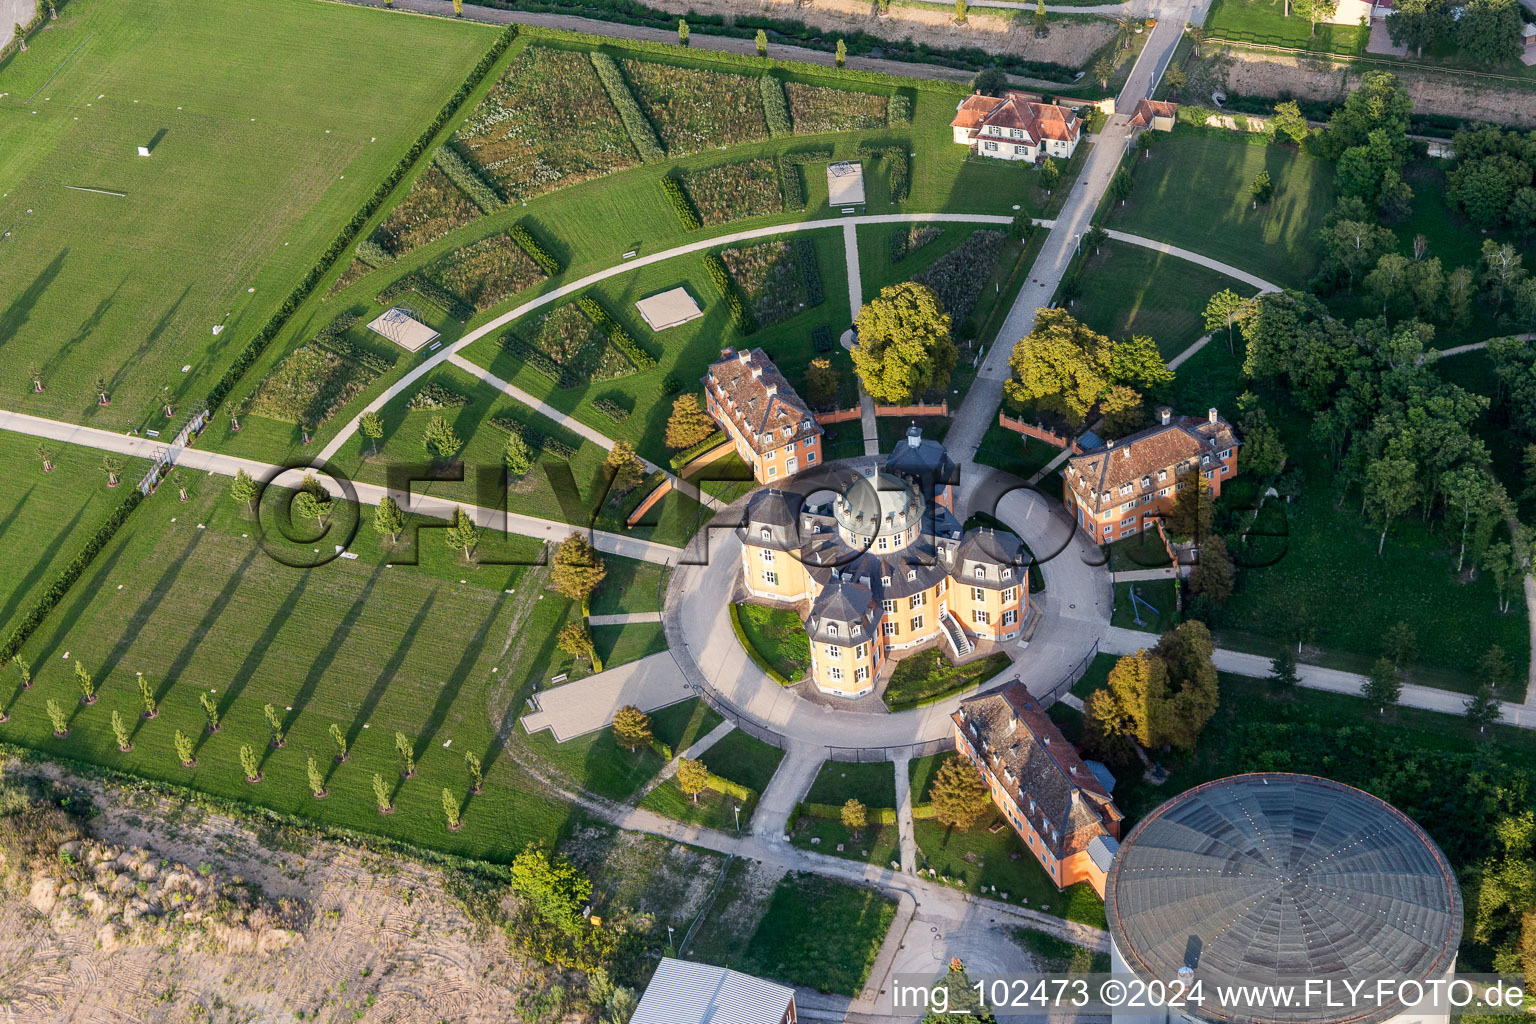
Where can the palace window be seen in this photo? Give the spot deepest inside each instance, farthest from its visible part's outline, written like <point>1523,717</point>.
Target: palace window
<point>1010,617</point>
<point>981,572</point>
<point>917,623</point>
<point>917,600</point>
<point>860,674</point>
<point>888,628</point>
<point>1009,594</point>
<point>889,606</point>
<point>977,594</point>
<point>770,577</point>
<point>831,629</point>
<point>981,616</point>
<point>766,554</point>
<point>836,673</point>
<point>859,651</point>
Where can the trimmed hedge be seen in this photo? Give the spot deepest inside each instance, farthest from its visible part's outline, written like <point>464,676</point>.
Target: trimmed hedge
<point>821,338</point>
<point>819,155</point>
<point>641,132</point>
<point>834,812</point>
<point>687,455</point>
<point>896,157</point>
<point>257,345</point>
<point>428,289</point>
<point>538,359</point>
<point>68,575</point>
<point>810,270</point>
<point>681,204</point>
<point>898,110</point>
<point>436,395</point>
<point>535,250</point>
<point>466,179</point>
<point>775,106</point>
<point>374,254</point>
<point>741,316</point>
<point>791,186</point>
<point>734,790</point>
<point>618,337</point>
<point>538,442</point>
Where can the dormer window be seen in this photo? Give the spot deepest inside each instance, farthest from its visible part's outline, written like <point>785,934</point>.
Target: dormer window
<point>885,581</point>
<point>1162,475</point>
<point>831,629</point>
<point>1007,573</point>
<point>765,533</point>
<point>911,575</point>
<point>857,630</point>
<point>981,572</point>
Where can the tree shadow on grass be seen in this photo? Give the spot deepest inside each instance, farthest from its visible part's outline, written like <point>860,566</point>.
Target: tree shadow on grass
<point>85,330</point>
<point>127,366</point>
<point>448,693</point>
<point>20,309</point>
<point>210,618</point>
<point>84,594</point>
<point>388,672</point>
<point>146,610</point>
<point>24,587</point>
<point>327,655</point>
<point>5,526</point>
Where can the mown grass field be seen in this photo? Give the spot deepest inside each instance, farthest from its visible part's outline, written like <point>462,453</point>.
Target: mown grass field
<point>46,517</point>
<point>443,650</point>
<point>260,155</point>
<point>873,784</point>
<point>1193,192</point>
<point>1131,290</point>
<point>1267,23</point>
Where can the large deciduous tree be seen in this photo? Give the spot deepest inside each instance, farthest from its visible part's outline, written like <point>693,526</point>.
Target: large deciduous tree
<point>688,425</point>
<point>904,348</point>
<point>578,569</point>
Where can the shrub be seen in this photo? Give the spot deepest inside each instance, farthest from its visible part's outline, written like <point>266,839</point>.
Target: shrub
<point>640,131</point>
<point>898,111</point>
<point>810,270</point>
<point>733,301</point>
<point>618,337</point>
<point>692,452</point>
<point>467,179</point>
<point>545,443</point>
<point>818,155</point>
<point>790,185</point>
<point>535,250</point>
<point>613,410</point>
<point>774,107</point>
<point>373,254</point>
<point>821,338</point>
<point>436,395</point>
<point>681,205</point>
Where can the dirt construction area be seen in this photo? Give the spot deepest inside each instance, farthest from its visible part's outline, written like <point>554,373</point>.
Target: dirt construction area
<point>1071,42</point>
<point>1254,74</point>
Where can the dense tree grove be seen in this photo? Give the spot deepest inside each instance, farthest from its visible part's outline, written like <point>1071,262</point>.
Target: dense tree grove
<point>1485,32</point>
<point>1494,180</point>
<point>1067,368</point>
<point>904,348</point>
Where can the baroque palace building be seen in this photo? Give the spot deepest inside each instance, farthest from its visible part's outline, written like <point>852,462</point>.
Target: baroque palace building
<point>884,567</point>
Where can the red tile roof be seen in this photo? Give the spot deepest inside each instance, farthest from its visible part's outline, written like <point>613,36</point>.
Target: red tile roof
<point>1134,462</point>
<point>1017,111</point>
<point>758,400</point>
<point>1146,110</point>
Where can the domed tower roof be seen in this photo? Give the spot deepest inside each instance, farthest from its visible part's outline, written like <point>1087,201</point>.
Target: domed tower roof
<point>1276,879</point>
<point>879,504</point>
<point>925,461</point>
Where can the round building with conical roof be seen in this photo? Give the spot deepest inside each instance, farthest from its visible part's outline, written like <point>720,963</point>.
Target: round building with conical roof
<point>1282,880</point>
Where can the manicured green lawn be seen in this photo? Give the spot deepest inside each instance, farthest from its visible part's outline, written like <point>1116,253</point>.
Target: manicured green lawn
<point>265,144</point>
<point>743,759</point>
<point>1143,550</point>
<point>979,859</point>
<point>366,647</point>
<point>873,784</point>
<point>710,808</point>
<point>928,675</point>
<point>1211,378</point>
<point>875,844</point>
<point>1095,676</point>
<point>1058,956</point>
<point>631,587</point>
<point>679,725</point>
<point>776,639</point>
<point>46,517</point>
<point>1159,594</point>
<point>1267,23</point>
<point>1192,192</point>
<point>1129,289</point>
<point>617,645</point>
<point>820,933</point>
<point>1009,450</point>
<point>597,763</point>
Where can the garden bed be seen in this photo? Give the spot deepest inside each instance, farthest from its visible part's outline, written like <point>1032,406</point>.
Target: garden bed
<point>431,209</point>
<point>769,278</point>
<point>959,276</point>
<point>315,380</point>
<point>472,278</point>
<point>547,123</point>
<point>775,639</point>
<point>816,108</point>
<point>730,192</point>
<point>567,347</point>
<point>927,677</point>
<point>694,109</point>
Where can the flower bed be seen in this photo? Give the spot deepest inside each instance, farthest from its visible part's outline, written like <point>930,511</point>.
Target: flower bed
<point>547,123</point>
<point>907,240</point>
<point>959,276</point>
<point>566,345</point>
<point>433,207</point>
<point>816,108</point>
<point>769,278</point>
<point>732,191</point>
<point>694,109</point>
<point>484,273</point>
<point>314,381</point>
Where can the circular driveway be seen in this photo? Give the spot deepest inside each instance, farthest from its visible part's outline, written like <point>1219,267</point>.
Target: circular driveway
<point>1073,614</point>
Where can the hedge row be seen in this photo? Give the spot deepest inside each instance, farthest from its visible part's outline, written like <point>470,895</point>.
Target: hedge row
<point>734,790</point>
<point>344,238</point>
<point>687,455</point>
<point>779,30</point>
<point>791,185</point>
<point>535,250</point>
<point>810,270</point>
<point>817,155</point>
<point>452,304</point>
<point>898,110</point>
<point>374,254</point>
<point>741,316</point>
<point>775,106</point>
<point>436,395</point>
<point>681,204</point>
<point>618,337</point>
<point>545,443</point>
<point>834,812</point>
<point>539,360</point>
<point>68,575</point>
<point>613,410</point>
<point>333,338</point>
<point>466,179</point>
<point>897,159</point>
<point>640,130</point>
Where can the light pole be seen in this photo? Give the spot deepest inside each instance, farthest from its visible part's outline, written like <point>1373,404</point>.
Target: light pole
<point>669,938</point>
<point>737,809</point>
